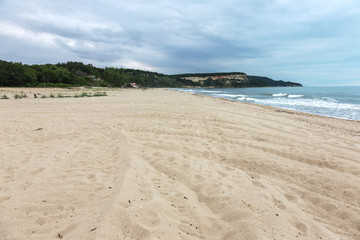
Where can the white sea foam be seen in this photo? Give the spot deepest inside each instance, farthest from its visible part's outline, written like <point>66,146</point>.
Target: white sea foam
<point>229,95</point>
<point>209,91</point>
<point>295,96</point>
<point>243,98</point>
<point>321,106</point>
<point>185,90</point>
<point>246,99</point>
<point>279,95</point>
<point>313,103</point>
<point>327,101</point>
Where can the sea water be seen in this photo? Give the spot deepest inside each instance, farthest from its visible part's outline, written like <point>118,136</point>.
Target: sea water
<point>337,102</point>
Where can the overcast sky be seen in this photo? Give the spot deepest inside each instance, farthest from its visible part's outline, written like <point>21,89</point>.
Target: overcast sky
<point>314,42</point>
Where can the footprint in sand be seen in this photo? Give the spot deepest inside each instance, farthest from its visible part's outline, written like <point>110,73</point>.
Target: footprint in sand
<point>211,191</point>
<point>37,171</point>
<point>279,204</point>
<point>197,179</point>
<point>222,174</point>
<point>206,154</point>
<point>329,207</point>
<point>68,229</point>
<point>229,187</point>
<point>171,159</point>
<point>258,184</point>
<point>157,154</point>
<point>150,219</point>
<point>25,185</point>
<point>344,214</point>
<point>4,198</point>
<point>301,227</point>
<point>291,198</point>
<point>91,177</point>
<point>227,168</point>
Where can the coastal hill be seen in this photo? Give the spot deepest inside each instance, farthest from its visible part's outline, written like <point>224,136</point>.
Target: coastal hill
<point>72,74</point>
<point>230,79</point>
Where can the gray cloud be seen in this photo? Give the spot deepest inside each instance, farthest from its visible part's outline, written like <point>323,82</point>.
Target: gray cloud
<point>306,41</point>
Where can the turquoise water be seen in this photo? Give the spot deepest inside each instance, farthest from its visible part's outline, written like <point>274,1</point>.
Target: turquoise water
<point>337,102</point>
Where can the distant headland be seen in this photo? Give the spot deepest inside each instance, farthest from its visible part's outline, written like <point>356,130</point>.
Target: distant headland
<point>73,74</point>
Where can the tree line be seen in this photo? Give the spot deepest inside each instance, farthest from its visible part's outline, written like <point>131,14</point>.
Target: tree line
<point>71,74</point>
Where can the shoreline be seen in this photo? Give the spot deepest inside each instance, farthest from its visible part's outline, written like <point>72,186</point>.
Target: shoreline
<point>164,164</point>
<point>276,109</point>
<point>300,103</point>
<point>279,109</point>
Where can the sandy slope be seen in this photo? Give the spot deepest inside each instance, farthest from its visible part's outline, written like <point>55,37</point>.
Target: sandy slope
<point>157,164</point>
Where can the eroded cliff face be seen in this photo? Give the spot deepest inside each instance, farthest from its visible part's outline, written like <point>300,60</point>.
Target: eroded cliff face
<point>239,77</point>
<point>236,79</point>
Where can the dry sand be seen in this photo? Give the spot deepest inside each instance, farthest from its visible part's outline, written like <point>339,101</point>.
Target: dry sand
<point>158,164</point>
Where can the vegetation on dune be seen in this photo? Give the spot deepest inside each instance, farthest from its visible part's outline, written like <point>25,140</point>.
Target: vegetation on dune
<point>72,74</point>
<point>99,94</point>
<point>20,96</point>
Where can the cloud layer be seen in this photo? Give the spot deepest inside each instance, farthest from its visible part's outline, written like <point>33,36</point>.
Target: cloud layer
<point>312,42</point>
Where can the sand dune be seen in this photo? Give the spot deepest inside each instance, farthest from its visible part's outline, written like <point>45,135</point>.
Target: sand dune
<point>158,164</point>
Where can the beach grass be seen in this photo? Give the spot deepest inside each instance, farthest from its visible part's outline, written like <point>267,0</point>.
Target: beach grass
<point>20,96</point>
<point>4,97</point>
<point>84,94</point>
<point>99,94</point>
<point>23,94</point>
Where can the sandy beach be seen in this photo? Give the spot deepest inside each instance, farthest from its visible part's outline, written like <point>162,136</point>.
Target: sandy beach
<point>159,164</point>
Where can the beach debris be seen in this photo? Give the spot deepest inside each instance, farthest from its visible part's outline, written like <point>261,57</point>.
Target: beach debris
<point>60,236</point>
<point>38,129</point>
<point>185,197</point>
<point>93,229</point>
<point>247,204</point>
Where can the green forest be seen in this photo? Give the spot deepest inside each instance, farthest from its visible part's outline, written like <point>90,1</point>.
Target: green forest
<point>72,74</point>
